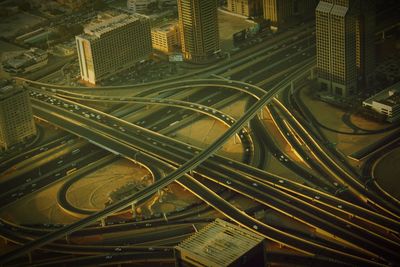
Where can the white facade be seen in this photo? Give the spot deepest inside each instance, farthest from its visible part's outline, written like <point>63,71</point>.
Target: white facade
<point>113,45</point>
<point>386,102</point>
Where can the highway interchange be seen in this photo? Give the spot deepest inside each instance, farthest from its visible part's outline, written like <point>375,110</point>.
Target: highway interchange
<point>360,226</point>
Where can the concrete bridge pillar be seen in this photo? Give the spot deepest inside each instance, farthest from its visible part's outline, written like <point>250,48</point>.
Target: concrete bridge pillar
<point>67,239</point>
<point>312,74</point>
<point>160,195</point>
<point>262,114</point>
<point>291,87</point>
<point>30,257</point>
<point>236,139</point>
<point>133,210</point>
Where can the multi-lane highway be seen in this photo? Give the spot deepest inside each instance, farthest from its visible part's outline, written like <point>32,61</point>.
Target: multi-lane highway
<point>255,111</point>
<point>353,232</point>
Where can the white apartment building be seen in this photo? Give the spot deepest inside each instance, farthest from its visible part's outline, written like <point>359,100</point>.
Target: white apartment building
<point>113,45</point>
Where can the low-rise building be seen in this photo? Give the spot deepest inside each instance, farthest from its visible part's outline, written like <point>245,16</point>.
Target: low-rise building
<point>165,38</point>
<point>131,6</point>
<point>142,5</point>
<point>73,4</point>
<point>65,49</point>
<point>386,102</point>
<point>113,45</point>
<point>27,61</point>
<point>16,119</point>
<point>221,244</point>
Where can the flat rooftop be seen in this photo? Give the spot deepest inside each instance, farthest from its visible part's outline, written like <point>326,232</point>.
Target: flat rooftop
<point>219,243</point>
<point>390,96</point>
<point>8,91</point>
<point>393,99</point>
<point>164,28</point>
<point>100,28</point>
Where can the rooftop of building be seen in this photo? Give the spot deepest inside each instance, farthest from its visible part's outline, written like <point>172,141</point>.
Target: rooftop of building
<point>110,24</point>
<point>165,27</point>
<point>220,243</point>
<point>393,99</point>
<point>28,57</point>
<point>338,10</point>
<point>324,7</point>
<point>390,96</point>
<point>8,90</point>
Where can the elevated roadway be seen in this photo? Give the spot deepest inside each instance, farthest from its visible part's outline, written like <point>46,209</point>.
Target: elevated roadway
<point>188,166</point>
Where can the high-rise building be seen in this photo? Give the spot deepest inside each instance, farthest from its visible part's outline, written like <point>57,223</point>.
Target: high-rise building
<point>113,45</point>
<point>248,8</point>
<point>277,11</point>
<point>16,118</point>
<point>336,48</point>
<point>283,12</point>
<point>198,24</point>
<point>345,49</point>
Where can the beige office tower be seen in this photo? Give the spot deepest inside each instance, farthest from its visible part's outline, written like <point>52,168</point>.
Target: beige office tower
<point>16,118</point>
<point>165,38</point>
<point>277,11</point>
<point>283,12</point>
<point>248,8</point>
<point>198,24</point>
<point>113,45</point>
<point>345,48</point>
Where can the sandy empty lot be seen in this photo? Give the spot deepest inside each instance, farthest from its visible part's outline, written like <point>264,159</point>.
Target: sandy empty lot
<point>387,173</point>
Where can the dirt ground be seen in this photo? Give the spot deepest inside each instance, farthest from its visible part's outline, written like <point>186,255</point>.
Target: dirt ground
<point>228,25</point>
<point>11,25</point>
<point>387,173</point>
